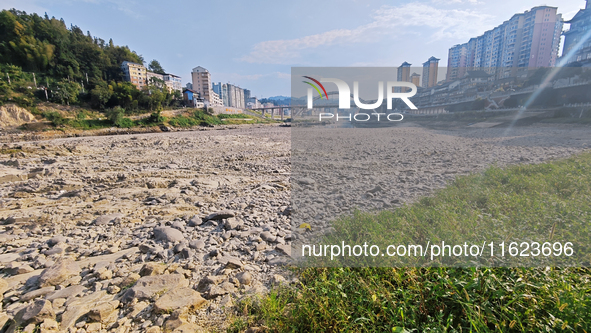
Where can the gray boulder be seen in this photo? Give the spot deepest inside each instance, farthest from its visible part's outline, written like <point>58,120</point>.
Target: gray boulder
<point>168,234</point>
<point>58,273</point>
<point>148,286</point>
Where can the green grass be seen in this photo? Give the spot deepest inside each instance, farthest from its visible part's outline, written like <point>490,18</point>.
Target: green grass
<point>202,118</point>
<point>549,201</point>
<point>198,117</point>
<point>89,124</point>
<point>233,116</point>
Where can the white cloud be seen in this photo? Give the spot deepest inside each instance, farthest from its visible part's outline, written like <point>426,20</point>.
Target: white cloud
<point>130,8</point>
<point>283,75</point>
<point>386,21</point>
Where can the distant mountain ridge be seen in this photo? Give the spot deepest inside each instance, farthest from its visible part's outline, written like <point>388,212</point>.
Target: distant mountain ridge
<point>278,98</point>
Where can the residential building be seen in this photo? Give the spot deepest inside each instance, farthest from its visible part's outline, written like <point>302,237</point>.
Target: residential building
<point>154,78</point>
<point>235,96</point>
<point>215,99</point>
<point>253,103</point>
<point>577,40</point>
<point>222,90</point>
<point>189,86</point>
<point>415,79</point>
<point>192,99</point>
<point>201,79</point>
<point>430,68</point>
<point>246,94</point>
<point>457,61</point>
<point>528,40</point>
<point>134,73</point>
<point>173,82</point>
<point>402,75</point>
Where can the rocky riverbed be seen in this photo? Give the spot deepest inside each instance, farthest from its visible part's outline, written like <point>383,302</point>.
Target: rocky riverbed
<point>166,231</point>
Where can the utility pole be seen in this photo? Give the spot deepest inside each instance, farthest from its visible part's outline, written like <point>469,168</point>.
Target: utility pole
<point>35,80</point>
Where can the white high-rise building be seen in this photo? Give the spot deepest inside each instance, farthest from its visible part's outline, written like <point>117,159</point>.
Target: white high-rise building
<point>528,40</point>
<point>202,84</point>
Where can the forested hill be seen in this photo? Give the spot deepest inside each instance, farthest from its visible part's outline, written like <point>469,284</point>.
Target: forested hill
<point>46,45</point>
<point>39,54</point>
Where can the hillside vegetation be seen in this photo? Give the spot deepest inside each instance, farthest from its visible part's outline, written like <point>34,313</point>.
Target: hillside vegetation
<point>41,59</point>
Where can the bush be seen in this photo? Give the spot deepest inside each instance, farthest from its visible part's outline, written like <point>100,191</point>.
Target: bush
<point>156,117</point>
<point>24,102</point>
<point>35,111</point>
<point>55,117</point>
<point>115,115</point>
<point>126,123</point>
<point>81,115</point>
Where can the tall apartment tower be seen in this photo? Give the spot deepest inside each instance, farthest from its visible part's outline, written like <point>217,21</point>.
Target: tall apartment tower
<point>235,96</point>
<point>527,40</point>
<point>403,75</point>
<point>430,68</point>
<point>222,91</point>
<point>415,79</point>
<point>457,62</point>
<point>202,83</point>
<point>576,47</point>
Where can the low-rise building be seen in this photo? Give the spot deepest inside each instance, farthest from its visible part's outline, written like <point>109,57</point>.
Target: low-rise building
<point>215,99</point>
<point>192,99</point>
<point>253,103</point>
<point>173,81</point>
<point>154,78</point>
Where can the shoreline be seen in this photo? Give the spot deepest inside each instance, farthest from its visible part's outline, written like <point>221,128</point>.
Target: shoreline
<point>32,136</point>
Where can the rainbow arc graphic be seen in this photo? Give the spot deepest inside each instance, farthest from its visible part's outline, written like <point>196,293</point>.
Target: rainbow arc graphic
<point>315,87</point>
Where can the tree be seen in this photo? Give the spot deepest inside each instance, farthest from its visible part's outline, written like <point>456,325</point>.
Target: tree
<point>124,93</point>
<point>62,57</point>
<point>100,95</point>
<point>155,67</point>
<point>65,92</point>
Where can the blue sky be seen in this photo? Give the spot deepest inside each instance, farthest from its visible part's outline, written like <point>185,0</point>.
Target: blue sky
<point>253,44</point>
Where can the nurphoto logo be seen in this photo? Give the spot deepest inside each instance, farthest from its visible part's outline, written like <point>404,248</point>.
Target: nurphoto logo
<point>344,93</point>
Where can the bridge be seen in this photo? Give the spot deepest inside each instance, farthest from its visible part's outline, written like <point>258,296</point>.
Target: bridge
<point>319,105</point>
<point>280,109</point>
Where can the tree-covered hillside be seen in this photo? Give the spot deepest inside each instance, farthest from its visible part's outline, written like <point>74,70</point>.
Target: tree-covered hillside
<point>41,52</point>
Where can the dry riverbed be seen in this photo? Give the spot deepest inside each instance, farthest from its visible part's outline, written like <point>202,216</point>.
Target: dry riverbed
<point>165,231</point>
